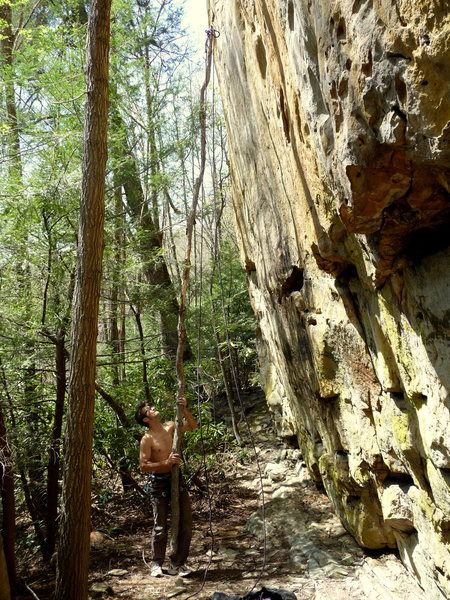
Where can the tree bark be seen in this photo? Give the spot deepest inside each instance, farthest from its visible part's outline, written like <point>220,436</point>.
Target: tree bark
<point>73,547</point>
<point>7,549</point>
<point>7,44</point>
<point>53,465</point>
<point>5,590</point>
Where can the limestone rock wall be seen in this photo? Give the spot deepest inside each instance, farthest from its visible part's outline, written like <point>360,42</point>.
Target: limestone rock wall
<point>338,116</point>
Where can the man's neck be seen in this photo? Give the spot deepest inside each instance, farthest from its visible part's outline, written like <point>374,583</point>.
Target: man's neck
<point>155,425</point>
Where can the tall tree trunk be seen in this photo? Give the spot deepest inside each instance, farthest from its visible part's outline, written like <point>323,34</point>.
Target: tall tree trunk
<point>5,590</point>
<point>54,454</point>
<point>7,548</point>
<point>7,44</point>
<point>150,244</point>
<point>73,548</point>
<point>53,466</point>
<point>117,325</point>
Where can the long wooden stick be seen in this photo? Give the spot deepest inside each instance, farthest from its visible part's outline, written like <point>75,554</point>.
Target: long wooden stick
<point>182,335</point>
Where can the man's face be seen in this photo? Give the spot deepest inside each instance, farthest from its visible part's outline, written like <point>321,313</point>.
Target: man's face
<point>150,413</point>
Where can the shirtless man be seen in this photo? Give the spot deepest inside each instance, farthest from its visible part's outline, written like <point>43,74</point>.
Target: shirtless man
<point>156,458</point>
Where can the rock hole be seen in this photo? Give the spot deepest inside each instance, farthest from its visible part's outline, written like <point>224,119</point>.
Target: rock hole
<point>292,441</point>
<point>312,321</point>
<point>400,88</point>
<point>341,455</point>
<point>353,500</point>
<point>419,398</point>
<point>338,120</point>
<point>348,64</point>
<point>394,56</point>
<point>427,241</point>
<point>398,111</point>
<point>249,265</point>
<point>333,91</point>
<point>400,401</point>
<point>424,82</point>
<point>291,16</point>
<point>261,57</point>
<point>343,86</point>
<point>329,399</point>
<point>341,30</point>
<point>298,119</point>
<point>294,282</point>
<point>404,480</point>
<point>348,273</point>
<point>285,117</point>
<point>366,67</point>
<point>444,526</point>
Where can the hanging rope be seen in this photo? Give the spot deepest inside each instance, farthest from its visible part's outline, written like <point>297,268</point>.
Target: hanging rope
<point>182,334</point>
<point>218,213</point>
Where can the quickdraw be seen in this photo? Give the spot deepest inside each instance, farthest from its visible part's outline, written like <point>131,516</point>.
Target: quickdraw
<point>212,33</point>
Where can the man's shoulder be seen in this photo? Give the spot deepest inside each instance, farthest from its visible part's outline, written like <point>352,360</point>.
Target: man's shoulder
<point>169,425</point>
<point>146,438</point>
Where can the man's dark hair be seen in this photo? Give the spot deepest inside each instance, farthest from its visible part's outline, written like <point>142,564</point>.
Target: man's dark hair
<point>139,415</point>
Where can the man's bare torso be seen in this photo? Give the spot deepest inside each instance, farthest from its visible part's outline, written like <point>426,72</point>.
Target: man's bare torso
<point>156,445</point>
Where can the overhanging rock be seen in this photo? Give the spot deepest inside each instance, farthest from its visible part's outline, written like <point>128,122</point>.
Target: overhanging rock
<point>338,117</point>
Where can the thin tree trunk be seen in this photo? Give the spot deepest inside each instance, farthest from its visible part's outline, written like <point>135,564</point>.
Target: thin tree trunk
<point>14,179</point>
<point>182,333</point>
<point>7,44</point>
<point>150,243</point>
<point>227,379</point>
<point>117,295</point>
<point>73,548</point>
<point>54,460</point>
<point>8,505</point>
<point>137,316</point>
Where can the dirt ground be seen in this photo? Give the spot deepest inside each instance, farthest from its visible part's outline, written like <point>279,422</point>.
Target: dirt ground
<point>256,526</point>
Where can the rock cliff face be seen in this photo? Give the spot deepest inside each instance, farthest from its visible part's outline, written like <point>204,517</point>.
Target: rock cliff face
<point>338,116</point>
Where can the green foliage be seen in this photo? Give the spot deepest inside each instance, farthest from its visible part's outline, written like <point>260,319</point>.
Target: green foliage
<point>153,145</point>
<point>203,444</point>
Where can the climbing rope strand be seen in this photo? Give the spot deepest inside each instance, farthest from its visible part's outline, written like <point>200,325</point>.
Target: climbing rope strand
<point>247,424</point>
<point>199,306</point>
<point>217,239</point>
<point>198,187</point>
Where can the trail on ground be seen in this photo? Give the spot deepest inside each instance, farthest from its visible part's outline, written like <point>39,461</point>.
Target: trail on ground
<point>263,523</point>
